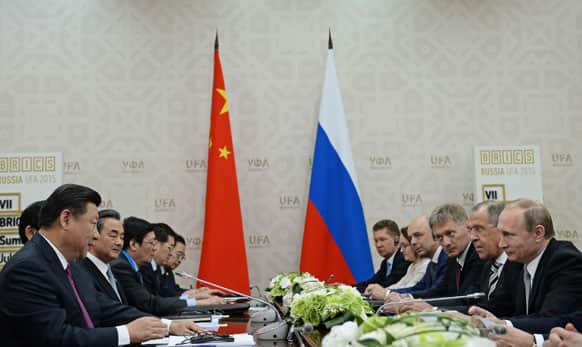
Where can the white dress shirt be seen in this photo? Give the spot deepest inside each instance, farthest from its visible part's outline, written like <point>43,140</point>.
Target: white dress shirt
<point>413,274</point>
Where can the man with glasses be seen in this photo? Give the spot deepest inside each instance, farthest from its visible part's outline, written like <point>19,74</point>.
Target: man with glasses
<point>152,271</point>
<point>139,246</point>
<point>155,272</point>
<point>169,286</point>
<point>499,274</point>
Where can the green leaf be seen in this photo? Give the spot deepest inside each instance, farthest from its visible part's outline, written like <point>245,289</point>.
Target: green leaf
<point>369,343</point>
<point>346,316</point>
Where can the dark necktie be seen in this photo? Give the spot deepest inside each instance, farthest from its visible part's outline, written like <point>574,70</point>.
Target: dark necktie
<point>157,280</point>
<point>88,320</point>
<point>458,276</point>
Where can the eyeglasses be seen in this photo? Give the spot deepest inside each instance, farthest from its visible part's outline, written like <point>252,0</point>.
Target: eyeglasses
<point>151,243</point>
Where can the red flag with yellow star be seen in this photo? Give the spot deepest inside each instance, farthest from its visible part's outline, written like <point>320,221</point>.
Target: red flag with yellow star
<point>223,259</point>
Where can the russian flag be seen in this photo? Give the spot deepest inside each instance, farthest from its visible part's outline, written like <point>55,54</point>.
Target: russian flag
<point>335,240</point>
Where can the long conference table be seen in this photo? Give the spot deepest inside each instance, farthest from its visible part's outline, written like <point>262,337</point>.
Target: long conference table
<point>240,323</point>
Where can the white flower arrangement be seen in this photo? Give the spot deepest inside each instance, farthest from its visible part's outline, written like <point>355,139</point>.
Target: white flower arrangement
<point>329,306</point>
<point>285,286</point>
<point>408,330</point>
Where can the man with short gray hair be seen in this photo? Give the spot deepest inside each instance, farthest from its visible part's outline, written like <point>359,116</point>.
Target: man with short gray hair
<point>499,274</point>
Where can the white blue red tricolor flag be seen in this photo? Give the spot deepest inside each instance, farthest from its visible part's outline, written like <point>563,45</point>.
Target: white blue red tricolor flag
<point>335,240</point>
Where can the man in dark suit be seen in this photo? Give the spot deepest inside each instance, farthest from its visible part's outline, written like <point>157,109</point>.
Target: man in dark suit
<point>168,283</point>
<point>551,275</point>
<point>393,267</point>
<point>463,267</point>
<point>139,247</point>
<point>104,250</point>
<point>47,301</point>
<point>152,271</point>
<point>499,274</point>
<point>423,241</point>
<point>28,223</point>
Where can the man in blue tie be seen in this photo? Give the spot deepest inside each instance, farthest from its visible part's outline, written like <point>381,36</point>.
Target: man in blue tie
<point>139,247</point>
<point>393,267</point>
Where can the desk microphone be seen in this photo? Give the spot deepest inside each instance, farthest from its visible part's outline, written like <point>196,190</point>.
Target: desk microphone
<point>277,330</point>
<point>306,329</point>
<point>446,298</point>
<point>261,295</point>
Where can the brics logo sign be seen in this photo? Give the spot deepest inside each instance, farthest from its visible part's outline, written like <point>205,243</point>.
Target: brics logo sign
<point>507,157</point>
<point>28,164</point>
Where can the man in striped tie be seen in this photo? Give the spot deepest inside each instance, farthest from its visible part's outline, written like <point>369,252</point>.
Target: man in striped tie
<point>499,274</point>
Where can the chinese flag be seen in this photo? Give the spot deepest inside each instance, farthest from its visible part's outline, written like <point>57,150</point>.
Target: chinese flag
<point>223,259</point>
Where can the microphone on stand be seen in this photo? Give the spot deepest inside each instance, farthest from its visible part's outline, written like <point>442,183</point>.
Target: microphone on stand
<point>446,298</point>
<point>261,295</point>
<point>306,329</point>
<point>277,330</point>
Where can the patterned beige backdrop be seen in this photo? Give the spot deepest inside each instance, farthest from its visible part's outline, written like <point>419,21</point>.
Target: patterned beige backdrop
<point>123,89</point>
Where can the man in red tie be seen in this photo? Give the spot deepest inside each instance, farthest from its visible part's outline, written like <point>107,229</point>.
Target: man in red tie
<point>47,300</point>
<point>464,266</point>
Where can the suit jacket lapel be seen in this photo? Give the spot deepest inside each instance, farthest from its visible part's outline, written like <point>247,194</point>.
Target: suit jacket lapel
<point>57,269</point>
<point>468,266</point>
<point>101,280</point>
<point>121,292</point>
<point>540,274</point>
<point>54,263</point>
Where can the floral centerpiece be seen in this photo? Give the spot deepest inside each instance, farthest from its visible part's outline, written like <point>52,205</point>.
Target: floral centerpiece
<point>408,330</point>
<point>329,306</point>
<point>285,285</point>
